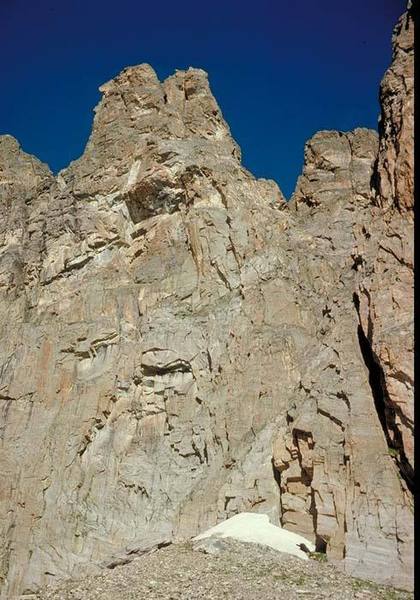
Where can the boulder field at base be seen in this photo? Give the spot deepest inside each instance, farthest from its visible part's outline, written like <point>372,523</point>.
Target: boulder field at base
<point>179,344</point>
<point>240,571</point>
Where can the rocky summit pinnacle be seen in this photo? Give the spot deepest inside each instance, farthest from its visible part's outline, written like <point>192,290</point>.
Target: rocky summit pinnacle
<point>180,345</point>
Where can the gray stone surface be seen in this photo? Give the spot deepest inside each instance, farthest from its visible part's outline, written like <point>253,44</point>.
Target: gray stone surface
<point>179,345</point>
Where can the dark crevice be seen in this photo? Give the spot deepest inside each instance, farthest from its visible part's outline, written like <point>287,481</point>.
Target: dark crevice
<point>180,366</point>
<point>320,545</point>
<point>306,472</point>
<point>276,473</point>
<point>357,262</point>
<point>375,182</point>
<point>384,408</point>
<point>277,478</point>
<point>326,414</point>
<point>314,513</point>
<point>130,555</point>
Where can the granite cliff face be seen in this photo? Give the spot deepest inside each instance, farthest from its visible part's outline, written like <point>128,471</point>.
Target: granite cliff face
<point>179,344</point>
<point>387,288</point>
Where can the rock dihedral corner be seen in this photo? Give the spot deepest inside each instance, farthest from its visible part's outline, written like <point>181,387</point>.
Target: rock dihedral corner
<point>180,336</point>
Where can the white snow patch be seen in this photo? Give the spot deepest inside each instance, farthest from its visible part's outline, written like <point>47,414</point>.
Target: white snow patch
<point>256,528</point>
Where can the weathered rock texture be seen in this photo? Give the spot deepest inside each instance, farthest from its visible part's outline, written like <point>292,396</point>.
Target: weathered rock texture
<point>387,288</point>
<point>179,344</point>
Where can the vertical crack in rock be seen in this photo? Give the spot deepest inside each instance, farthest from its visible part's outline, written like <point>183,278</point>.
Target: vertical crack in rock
<point>277,476</point>
<point>385,409</point>
<point>320,543</point>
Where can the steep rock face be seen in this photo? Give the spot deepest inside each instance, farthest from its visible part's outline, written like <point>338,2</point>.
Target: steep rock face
<point>22,178</point>
<point>373,228</point>
<point>386,291</point>
<point>395,161</point>
<point>179,345</point>
<point>148,336</point>
<point>331,454</point>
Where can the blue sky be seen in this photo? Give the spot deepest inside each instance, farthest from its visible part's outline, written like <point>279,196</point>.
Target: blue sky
<point>280,70</point>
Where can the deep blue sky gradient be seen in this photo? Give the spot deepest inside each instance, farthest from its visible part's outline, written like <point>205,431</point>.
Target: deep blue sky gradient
<point>280,70</point>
